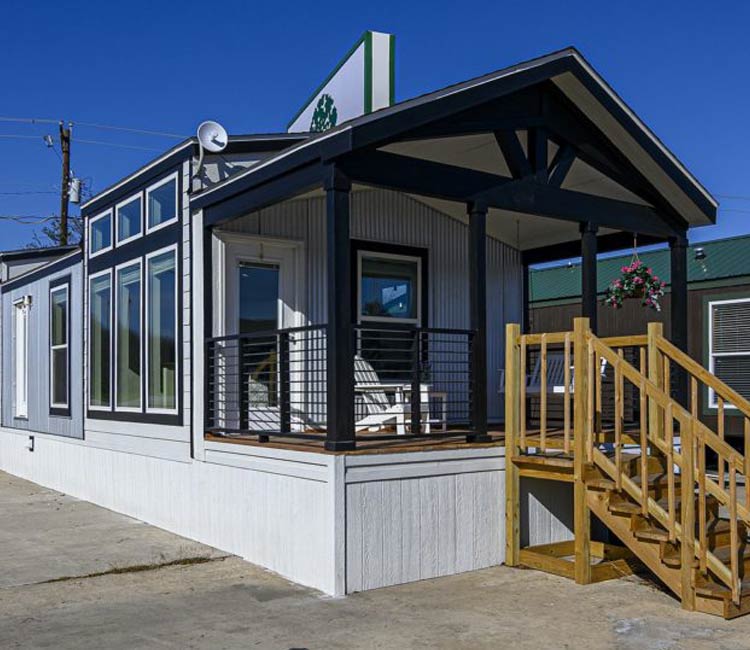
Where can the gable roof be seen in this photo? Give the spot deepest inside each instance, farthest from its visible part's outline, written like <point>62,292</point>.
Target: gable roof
<point>566,68</point>
<point>724,258</point>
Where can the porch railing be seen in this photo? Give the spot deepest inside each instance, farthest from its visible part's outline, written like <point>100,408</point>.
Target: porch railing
<point>408,382</point>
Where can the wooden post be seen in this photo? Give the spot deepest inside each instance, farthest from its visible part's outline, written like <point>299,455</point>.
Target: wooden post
<point>513,407</point>
<point>582,514</point>
<point>656,375</point>
<point>478,319</point>
<point>339,333</point>
<point>588,274</point>
<point>687,521</point>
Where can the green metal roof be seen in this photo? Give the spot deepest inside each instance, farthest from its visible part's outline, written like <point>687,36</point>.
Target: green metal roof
<point>725,258</point>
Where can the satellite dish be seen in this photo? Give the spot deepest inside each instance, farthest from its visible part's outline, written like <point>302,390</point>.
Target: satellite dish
<point>212,137</point>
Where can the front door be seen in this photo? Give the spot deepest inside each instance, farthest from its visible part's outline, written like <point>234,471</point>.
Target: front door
<point>260,296</point>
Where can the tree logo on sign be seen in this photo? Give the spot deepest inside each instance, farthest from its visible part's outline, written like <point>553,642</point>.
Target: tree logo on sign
<point>325,114</point>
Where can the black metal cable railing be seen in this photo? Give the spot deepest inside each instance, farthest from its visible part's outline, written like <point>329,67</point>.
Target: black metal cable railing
<point>408,381</point>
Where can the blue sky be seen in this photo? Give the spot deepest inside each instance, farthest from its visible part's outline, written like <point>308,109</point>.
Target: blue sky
<point>682,65</point>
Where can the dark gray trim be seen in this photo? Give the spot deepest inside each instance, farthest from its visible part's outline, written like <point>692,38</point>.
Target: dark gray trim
<point>36,253</point>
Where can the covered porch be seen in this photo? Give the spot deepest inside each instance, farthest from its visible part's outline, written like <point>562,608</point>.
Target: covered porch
<point>534,163</point>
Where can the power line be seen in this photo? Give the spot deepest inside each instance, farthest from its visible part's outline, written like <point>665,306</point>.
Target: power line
<point>28,192</point>
<point>29,120</point>
<point>20,137</point>
<point>116,144</point>
<point>736,197</point>
<point>130,130</point>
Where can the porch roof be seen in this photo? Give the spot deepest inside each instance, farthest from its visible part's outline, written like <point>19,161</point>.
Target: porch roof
<point>488,139</point>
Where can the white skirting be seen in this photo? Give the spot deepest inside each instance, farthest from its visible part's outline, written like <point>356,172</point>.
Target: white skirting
<point>336,523</point>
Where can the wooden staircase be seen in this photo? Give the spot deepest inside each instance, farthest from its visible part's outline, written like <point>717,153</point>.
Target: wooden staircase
<point>646,480</point>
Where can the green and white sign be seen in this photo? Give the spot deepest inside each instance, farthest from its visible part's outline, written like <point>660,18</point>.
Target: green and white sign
<point>362,82</point>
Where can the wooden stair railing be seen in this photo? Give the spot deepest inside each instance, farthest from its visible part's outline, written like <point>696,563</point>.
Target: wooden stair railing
<point>657,414</point>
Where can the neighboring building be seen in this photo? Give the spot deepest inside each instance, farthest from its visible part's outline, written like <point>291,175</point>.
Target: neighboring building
<point>249,325</point>
<point>718,309</point>
<point>18,262</point>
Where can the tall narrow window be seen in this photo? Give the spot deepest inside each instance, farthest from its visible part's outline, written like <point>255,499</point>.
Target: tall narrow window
<point>21,357</point>
<point>128,219</point>
<point>59,354</point>
<point>729,345</point>
<point>100,310</point>
<point>161,203</point>
<point>161,320</point>
<point>100,233</point>
<point>128,337</point>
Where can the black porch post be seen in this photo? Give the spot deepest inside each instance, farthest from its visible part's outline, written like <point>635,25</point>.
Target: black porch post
<point>478,318</point>
<point>588,273</point>
<point>339,336</point>
<point>679,308</point>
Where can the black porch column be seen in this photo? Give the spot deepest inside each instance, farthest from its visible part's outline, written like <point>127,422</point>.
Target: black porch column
<point>339,336</point>
<point>478,318</point>
<point>588,273</point>
<point>678,247</point>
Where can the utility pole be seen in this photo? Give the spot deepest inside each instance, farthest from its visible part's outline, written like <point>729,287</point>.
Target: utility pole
<point>65,187</point>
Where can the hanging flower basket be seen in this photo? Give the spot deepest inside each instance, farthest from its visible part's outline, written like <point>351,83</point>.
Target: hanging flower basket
<point>637,281</point>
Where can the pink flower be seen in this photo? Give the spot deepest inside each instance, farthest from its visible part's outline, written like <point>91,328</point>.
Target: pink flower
<point>649,271</point>
<point>636,264</point>
<point>638,280</point>
<point>625,269</point>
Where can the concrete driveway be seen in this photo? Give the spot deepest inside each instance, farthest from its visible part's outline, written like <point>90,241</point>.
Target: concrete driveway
<point>77,576</point>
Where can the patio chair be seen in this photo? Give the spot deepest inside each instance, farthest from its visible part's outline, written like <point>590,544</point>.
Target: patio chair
<point>382,410</point>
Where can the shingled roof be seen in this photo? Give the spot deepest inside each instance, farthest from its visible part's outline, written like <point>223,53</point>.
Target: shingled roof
<point>725,258</point>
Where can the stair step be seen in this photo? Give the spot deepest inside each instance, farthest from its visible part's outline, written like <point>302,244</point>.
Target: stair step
<point>652,534</point>
<point>709,588</point>
<point>724,553</point>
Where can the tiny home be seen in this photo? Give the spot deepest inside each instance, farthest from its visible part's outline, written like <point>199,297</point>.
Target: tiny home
<point>291,350</point>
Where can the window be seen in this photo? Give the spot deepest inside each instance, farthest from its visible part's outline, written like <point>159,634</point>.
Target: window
<point>59,352</point>
<point>161,203</point>
<point>100,314</point>
<point>729,345</point>
<point>389,287</point>
<point>128,337</point>
<point>21,356</point>
<point>128,219</point>
<point>161,331</point>
<point>100,234</point>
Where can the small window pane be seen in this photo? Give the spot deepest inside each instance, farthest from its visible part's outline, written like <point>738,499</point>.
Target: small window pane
<point>59,317</point>
<point>162,332</point>
<point>162,205</point>
<point>101,234</point>
<point>60,377</point>
<point>129,337</point>
<point>129,219</point>
<point>100,337</point>
<point>389,288</point>
<point>259,297</point>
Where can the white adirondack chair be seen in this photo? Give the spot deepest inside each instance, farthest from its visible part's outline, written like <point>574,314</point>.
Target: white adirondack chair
<point>381,410</point>
<point>555,375</point>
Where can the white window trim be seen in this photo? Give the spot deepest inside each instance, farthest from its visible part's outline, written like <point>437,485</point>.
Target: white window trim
<point>92,221</point>
<point>116,326</point>
<point>108,406</point>
<point>21,410</point>
<point>132,199</point>
<point>52,348</point>
<point>712,401</point>
<point>173,248</point>
<point>362,253</point>
<point>172,177</point>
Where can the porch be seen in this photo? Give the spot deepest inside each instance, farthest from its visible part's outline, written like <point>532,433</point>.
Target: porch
<point>531,164</point>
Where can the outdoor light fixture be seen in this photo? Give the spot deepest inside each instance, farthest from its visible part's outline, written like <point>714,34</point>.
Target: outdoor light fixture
<point>700,254</point>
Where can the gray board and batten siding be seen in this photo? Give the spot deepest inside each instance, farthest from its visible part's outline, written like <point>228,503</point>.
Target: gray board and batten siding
<point>37,285</point>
